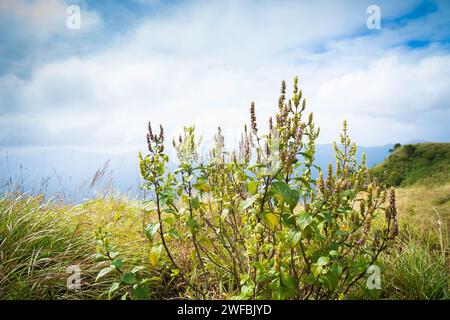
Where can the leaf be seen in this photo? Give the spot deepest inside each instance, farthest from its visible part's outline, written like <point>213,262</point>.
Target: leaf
<point>333,254</point>
<point>295,236</point>
<point>333,276</point>
<point>136,269</point>
<point>174,233</point>
<point>100,257</point>
<point>246,291</point>
<point>151,230</point>
<point>252,187</point>
<point>321,263</point>
<point>282,189</point>
<point>128,278</point>
<point>224,214</point>
<point>105,271</point>
<point>153,257</point>
<point>193,225</point>
<point>195,203</point>
<point>291,196</point>
<point>294,196</point>
<point>169,220</point>
<point>117,263</point>
<point>272,219</point>
<point>248,202</point>
<point>304,220</point>
<point>115,285</point>
<point>140,291</point>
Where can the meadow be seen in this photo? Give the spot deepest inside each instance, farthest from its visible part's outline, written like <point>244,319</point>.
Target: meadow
<point>251,224</point>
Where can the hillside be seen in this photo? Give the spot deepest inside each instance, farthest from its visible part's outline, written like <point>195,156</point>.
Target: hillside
<point>416,164</point>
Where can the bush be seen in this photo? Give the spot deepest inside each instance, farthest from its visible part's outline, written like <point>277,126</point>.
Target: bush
<point>254,223</point>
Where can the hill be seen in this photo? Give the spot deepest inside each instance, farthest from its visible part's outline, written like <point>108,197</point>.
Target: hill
<point>416,164</point>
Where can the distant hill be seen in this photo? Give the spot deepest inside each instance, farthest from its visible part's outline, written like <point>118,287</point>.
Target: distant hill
<point>412,164</point>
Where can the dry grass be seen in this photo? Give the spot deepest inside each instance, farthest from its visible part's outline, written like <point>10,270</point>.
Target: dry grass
<point>419,205</point>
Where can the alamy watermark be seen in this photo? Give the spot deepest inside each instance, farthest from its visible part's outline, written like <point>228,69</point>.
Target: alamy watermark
<point>374,19</point>
<point>73,21</point>
<point>74,280</point>
<point>374,279</point>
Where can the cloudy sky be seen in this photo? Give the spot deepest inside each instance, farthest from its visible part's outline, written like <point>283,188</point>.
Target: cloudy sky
<point>202,62</point>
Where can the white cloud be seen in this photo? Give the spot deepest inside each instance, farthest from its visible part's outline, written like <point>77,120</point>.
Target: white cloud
<point>204,64</point>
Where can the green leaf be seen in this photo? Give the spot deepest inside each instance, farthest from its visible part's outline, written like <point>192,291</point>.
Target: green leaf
<point>252,187</point>
<point>296,236</point>
<point>100,257</point>
<point>333,276</point>
<point>195,203</point>
<point>151,230</point>
<point>246,291</point>
<point>282,189</point>
<point>304,220</point>
<point>193,225</point>
<point>224,214</point>
<point>333,254</point>
<point>174,233</point>
<point>117,263</point>
<point>169,220</point>
<point>128,278</point>
<point>272,219</point>
<point>294,196</point>
<point>140,291</point>
<point>323,261</point>
<point>105,271</point>
<point>248,202</point>
<point>136,269</point>
<point>115,285</point>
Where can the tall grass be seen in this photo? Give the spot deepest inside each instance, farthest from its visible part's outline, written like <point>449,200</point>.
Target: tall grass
<point>418,267</point>
<point>37,244</point>
<point>40,239</point>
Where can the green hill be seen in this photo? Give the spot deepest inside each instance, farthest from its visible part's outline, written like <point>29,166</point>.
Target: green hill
<point>413,164</point>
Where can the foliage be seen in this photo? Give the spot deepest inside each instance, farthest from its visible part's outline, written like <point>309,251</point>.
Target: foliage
<point>423,163</point>
<point>129,282</point>
<point>254,224</point>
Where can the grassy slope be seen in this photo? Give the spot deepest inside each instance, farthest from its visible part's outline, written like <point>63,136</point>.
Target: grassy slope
<point>423,163</point>
<point>422,174</point>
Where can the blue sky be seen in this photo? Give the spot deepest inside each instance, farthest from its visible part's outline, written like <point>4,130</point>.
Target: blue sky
<point>202,62</point>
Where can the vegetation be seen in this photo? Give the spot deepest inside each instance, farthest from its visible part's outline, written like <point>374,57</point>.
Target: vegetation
<point>250,224</point>
<point>304,238</point>
<point>411,164</point>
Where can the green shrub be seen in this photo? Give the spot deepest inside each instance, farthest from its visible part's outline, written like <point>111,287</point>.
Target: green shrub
<point>254,224</point>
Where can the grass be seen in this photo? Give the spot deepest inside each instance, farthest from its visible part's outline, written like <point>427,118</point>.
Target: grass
<point>418,268</point>
<point>417,205</point>
<point>37,244</point>
<point>40,239</point>
<point>416,164</point>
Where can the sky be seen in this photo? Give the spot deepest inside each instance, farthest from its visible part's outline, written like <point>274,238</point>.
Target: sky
<point>202,62</point>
